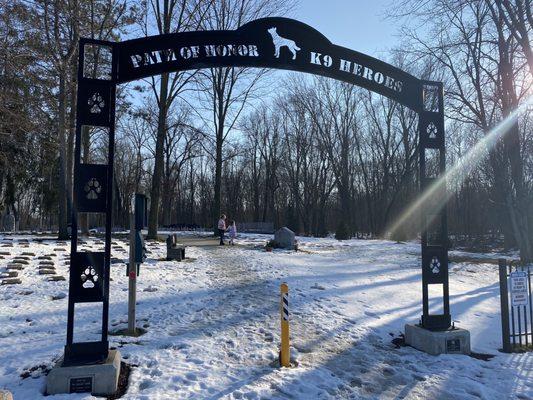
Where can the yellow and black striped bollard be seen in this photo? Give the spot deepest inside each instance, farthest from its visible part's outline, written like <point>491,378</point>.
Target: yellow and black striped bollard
<point>285,357</point>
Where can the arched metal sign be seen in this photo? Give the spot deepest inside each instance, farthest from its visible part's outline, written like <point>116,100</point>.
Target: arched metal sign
<point>278,43</point>
<point>266,43</point>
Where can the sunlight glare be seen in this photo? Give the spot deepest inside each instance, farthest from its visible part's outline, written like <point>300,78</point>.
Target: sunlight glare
<point>458,172</point>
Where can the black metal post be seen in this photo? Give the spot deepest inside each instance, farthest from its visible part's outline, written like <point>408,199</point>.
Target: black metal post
<point>93,193</point>
<point>434,244</point>
<point>504,302</point>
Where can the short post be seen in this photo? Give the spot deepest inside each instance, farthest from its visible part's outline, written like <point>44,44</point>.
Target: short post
<point>504,301</point>
<point>132,275</point>
<point>285,357</point>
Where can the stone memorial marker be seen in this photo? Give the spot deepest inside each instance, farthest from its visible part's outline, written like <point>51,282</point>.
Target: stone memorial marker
<point>11,281</point>
<point>9,274</point>
<point>46,263</point>
<point>56,278</point>
<point>47,272</point>
<point>285,238</point>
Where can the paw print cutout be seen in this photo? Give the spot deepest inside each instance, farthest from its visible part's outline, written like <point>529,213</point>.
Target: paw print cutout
<point>89,277</point>
<point>96,103</point>
<point>435,265</point>
<point>92,189</point>
<point>432,131</point>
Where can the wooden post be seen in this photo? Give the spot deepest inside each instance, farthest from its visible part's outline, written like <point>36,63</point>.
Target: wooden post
<point>504,300</point>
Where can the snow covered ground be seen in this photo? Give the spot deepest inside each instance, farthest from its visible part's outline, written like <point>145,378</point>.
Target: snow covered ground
<point>213,324</point>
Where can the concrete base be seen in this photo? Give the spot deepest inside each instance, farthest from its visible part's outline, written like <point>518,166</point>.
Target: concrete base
<point>451,341</point>
<point>99,379</point>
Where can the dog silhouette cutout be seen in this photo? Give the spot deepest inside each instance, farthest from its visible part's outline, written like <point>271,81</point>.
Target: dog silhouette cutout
<point>280,42</point>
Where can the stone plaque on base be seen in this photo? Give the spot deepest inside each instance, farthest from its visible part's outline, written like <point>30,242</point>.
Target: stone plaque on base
<point>81,385</point>
<point>98,379</point>
<point>449,341</point>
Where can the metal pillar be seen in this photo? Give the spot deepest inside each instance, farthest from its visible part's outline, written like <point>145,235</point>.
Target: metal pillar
<point>132,274</point>
<point>433,213</point>
<point>93,193</point>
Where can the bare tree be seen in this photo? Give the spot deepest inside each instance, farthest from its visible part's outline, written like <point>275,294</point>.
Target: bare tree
<point>229,89</point>
<point>169,16</point>
<point>59,23</point>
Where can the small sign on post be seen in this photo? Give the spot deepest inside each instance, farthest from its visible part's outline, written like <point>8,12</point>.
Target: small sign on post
<point>519,292</point>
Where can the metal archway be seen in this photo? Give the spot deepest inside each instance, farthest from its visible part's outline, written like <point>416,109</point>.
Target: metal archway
<point>278,43</point>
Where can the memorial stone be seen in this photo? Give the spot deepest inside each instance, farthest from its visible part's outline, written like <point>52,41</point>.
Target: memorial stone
<point>285,238</point>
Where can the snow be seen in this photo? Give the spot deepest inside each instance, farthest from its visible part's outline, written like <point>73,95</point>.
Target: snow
<point>213,324</point>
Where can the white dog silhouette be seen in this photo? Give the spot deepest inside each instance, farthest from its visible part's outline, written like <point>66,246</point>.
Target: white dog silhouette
<point>280,42</point>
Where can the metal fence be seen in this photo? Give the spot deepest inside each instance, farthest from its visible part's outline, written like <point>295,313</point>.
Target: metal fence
<point>516,307</point>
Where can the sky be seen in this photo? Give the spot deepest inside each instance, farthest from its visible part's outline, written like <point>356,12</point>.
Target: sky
<point>360,25</point>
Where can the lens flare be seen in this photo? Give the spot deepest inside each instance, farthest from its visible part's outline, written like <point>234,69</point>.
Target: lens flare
<point>458,172</point>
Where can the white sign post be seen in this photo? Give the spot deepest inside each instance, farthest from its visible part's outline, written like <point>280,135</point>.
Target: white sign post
<point>519,292</point>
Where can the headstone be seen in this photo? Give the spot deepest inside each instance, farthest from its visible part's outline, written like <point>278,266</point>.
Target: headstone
<point>47,272</point>
<point>11,281</point>
<point>9,274</point>
<point>56,278</point>
<point>46,263</point>
<point>285,238</point>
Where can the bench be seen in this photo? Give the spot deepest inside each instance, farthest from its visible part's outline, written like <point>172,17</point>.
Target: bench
<point>175,251</point>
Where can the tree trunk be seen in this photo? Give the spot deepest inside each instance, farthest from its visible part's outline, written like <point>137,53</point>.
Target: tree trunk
<point>159,159</point>
<point>62,192</point>
<point>218,162</point>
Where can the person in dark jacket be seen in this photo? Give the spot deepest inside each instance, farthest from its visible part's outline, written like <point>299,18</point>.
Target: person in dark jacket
<point>222,228</point>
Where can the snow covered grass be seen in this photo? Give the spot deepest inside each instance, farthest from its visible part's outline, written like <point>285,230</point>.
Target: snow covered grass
<point>213,325</point>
